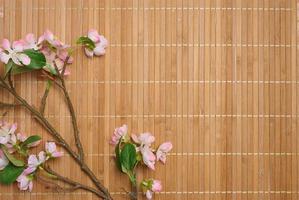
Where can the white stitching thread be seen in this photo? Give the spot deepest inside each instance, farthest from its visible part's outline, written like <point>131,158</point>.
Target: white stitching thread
<point>173,82</point>
<point>210,154</point>
<point>170,116</point>
<point>160,8</point>
<point>163,192</point>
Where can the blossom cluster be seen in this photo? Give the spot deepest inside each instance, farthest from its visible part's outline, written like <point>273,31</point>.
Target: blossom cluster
<point>14,151</point>
<point>141,152</point>
<point>47,52</point>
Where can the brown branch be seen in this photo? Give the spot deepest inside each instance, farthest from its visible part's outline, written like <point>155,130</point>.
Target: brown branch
<point>5,105</point>
<point>44,98</point>
<point>74,185</point>
<point>45,123</point>
<point>71,109</point>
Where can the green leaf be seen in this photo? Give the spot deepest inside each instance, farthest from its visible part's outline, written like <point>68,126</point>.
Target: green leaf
<point>49,68</point>
<point>30,140</point>
<point>10,173</point>
<point>128,157</point>
<point>11,158</point>
<point>38,60</point>
<point>86,41</point>
<point>117,159</point>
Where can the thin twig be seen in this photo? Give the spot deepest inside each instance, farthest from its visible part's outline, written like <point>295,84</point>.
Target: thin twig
<point>44,99</point>
<point>8,105</point>
<point>10,80</point>
<point>71,109</point>
<point>75,185</point>
<point>45,123</point>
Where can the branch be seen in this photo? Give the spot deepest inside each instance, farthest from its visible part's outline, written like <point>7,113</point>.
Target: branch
<point>9,105</point>
<point>71,109</point>
<point>74,185</point>
<point>46,124</point>
<point>44,99</point>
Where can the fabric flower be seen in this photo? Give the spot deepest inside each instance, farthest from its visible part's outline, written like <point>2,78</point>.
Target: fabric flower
<point>118,134</point>
<point>151,186</point>
<point>3,160</point>
<point>6,130</point>
<point>143,139</point>
<point>100,42</point>
<point>14,52</point>
<point>148,157</point>
<point>51,150</point>
<point>162,151</point>
<point>25,182</point>
<point>34,162</point>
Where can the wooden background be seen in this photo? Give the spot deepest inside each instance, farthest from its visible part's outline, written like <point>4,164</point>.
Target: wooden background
<point>218,78</point>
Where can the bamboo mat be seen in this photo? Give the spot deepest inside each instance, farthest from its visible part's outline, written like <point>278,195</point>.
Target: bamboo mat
<point>218,78</point>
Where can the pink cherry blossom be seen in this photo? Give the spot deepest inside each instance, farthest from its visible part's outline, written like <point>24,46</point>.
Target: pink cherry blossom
<point>148,157</point>
<point>34,162</point>
<point>143,139</point>
<point>14,52</point>
<point>3,160</point>
<point>149,194</point>
<point>151,186</point>
<point>30,42</point>
<point>6,131</point>
<point>119,133</point>
<point>51,150</point>
<point>93,35</point>
<point>163,150</point>
<point>100,42</point>
<point>25,182</point>
<point>156,186</point>
<point>55,52</point>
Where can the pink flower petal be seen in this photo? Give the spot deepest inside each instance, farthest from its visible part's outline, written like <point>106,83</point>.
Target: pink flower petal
<point>18,45</point>
<point>93,35</point>
<point>135,138</point>
<point>6,44</point>
<point>57,154</point>
<point>24,59</point>
<point>4,57</point>
<point>48,35</point>
<point>149,194</point>
<point>88,52</point>
<point>30,38</point>
<point>29,170</point>
<point>103,41</point>
<point>99,50</point>
<point>156,186</point>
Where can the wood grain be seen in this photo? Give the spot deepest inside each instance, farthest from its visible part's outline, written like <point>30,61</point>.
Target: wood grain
<point>218,78</point>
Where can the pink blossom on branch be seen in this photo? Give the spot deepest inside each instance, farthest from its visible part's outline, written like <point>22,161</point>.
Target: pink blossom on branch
<point>150,187</point>
<point>6,131</point>
<point>99,41</point>
<point>148,157</point>
<point>14,52</point>
<point>52,151</point>
<point>119,133</point>
<point>143,139</point>
<point>25,182</point>
<point>163,150</point>
<point>34,162</point>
